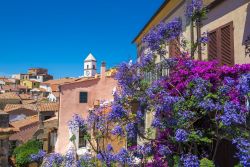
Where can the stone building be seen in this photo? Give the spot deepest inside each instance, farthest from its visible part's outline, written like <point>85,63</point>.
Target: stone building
<point>9,98</point>
<point>5,131</point>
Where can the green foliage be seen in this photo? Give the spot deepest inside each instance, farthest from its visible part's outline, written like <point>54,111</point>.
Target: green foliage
<point>239,165</point>
<point>72,138</point>
<point>206,163</point>
<point>23,152</point>
<point>176,161</point>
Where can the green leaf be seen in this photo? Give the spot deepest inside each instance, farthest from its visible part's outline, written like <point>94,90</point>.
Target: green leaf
<point>206,163</point>
<point>72,138</point>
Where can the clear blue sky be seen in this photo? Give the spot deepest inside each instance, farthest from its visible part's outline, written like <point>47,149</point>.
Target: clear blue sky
<point>58,34</point>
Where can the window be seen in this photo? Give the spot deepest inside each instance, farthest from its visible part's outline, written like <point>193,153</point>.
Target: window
<point>46,117</point>
<point>93,66</point>
<point>52,140</point>
<point>83,97</point>
<point>82,140</point>
<point>221,45</point>
<point>87,66</point>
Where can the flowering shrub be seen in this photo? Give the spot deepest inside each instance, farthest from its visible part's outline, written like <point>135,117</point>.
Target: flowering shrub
<point>38,157</point>
<point>197,106</point>
<point>24,153</point>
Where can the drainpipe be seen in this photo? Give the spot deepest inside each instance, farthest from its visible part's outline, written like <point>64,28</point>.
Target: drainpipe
<point>192,38</point>
<point>198,31</point>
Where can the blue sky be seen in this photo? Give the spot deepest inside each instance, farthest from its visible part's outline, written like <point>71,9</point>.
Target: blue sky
<point>59,34</point>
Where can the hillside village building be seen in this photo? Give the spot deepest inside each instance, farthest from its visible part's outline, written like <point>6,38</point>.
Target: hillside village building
<point>9,98</point>
<point>34,74</point>
<point>78,97</point>
<point>5,131</point>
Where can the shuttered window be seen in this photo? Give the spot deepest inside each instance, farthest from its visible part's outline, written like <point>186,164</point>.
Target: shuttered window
<point>221,45</point>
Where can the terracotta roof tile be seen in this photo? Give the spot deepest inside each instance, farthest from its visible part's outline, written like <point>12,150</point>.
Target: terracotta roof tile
<point>59,81</point>
<point>8,130</point>
<point>11,107</point>
<point>42,107</point>
<point>25,134</point>
<point>25,96</point>
<point>25,122</point>
<point>82,80</point>
<point>12,87</point>
<point>9,95</point>
<point>28,101</point>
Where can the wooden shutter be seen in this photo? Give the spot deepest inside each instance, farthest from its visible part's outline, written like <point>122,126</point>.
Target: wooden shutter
<point>174,48</point>
<point>212,46</point>
<point>227,45</point>
<point>221,45</point>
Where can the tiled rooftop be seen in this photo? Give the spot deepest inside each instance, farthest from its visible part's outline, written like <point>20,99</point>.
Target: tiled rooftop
<point>59,81</point>
<point>48,107</point>
<point>9,95</point>
<point>11,107</point>
<point>34,107</point>
<point>25,134</point>
<point>25,96</point>
<point>25,122</point>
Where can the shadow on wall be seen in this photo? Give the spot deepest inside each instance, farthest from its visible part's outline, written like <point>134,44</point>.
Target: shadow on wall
<point>247,27</point>
<point>229,6</point>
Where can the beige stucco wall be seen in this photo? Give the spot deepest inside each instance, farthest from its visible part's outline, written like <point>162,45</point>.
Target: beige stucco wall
<point>237,11</point>
<point>98,89</point>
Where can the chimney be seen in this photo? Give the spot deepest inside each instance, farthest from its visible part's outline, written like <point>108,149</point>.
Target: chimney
<point>4,120</point>
<point>103,70</point>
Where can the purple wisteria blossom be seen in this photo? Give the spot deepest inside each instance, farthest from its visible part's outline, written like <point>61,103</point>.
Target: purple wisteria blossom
<point>70,158</point>
<point>77,122</point>
<point>190,160</point>
<point>162,33</point>
<point>233,114</point>
<point>181,135</point>
<point>54,159</point>
<point>117,131</point>
<point>117,112</point>
<point>38,157</point>
<point>131,130</point>
<point>243,147</point>
<point>124,157</point>
<point>194,8</point>
<point>108,157</point>
<point>244,84</point>
<point>164,150</point>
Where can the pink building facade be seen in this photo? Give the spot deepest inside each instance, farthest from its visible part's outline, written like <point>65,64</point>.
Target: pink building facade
<point>77,98</point>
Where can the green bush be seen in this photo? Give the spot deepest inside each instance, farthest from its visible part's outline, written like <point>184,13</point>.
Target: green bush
<point>206,163</point>
<point>23,152</point>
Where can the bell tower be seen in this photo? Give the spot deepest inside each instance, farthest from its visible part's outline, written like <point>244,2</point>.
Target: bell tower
<point>89,66</point>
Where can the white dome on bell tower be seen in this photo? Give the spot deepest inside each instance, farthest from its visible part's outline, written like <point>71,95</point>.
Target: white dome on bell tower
<point>89,66</point>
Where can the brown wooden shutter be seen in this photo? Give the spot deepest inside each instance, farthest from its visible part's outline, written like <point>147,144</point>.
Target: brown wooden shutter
<point>212,46</point>
<point>221,45</point>
<point>227,45</point>
<point>174,48</point>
